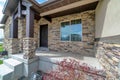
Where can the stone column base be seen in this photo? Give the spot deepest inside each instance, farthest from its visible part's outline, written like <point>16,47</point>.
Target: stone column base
<point>13,45</point>
<point>29,48</point>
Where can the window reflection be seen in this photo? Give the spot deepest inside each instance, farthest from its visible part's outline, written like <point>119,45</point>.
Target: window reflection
<point>71,31</point>
<point>76,30</point>
<point>65,31</point>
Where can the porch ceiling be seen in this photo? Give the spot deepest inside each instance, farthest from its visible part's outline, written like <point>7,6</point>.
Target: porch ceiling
<point>65,8</point>
<point>58,8</point>
<point>78,9</point>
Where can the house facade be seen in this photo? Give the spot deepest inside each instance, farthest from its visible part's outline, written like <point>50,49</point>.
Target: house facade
<point>70,26</point>
<point>53,33</point>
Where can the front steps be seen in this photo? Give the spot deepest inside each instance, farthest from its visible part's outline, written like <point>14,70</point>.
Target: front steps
<point>30,65</point>
<point>11,69</point>
<point>6,73</point>
<point>15,65</point>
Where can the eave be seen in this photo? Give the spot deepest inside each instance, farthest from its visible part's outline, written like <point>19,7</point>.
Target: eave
<point>61,8</point>
<point>4,19</point>
<point>10,6</point>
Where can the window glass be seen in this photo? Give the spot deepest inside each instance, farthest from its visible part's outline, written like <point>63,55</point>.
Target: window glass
<point>76,30</point>
<point>65,31</point>
<point>71,31</point>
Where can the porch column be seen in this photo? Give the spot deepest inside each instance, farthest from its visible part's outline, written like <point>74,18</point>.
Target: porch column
<point>13,38</point>
<point>29,41</point>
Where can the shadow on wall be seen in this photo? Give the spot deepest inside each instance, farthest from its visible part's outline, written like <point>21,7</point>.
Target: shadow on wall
<point>101,12</point>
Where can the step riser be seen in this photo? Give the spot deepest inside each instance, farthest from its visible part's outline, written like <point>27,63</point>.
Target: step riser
<point>18,71</point>
<point>6,73</point>
<point>17,67</point>
<point>7,77</point>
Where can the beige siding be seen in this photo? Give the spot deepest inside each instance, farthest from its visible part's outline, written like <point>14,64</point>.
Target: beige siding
<point>108,18</point>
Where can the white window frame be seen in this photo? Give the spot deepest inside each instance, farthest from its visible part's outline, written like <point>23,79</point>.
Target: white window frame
<point>70,30</point>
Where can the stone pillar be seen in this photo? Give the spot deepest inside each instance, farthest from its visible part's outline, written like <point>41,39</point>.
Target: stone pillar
<point>29,48</point>
<point>13,45</point>
<point>30,60</point>
<point>29,41</point>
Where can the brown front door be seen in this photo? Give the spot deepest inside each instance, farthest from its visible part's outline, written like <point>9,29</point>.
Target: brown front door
<point>44,36</point>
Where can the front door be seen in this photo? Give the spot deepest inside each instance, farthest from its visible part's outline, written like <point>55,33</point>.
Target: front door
<point>44,36</point>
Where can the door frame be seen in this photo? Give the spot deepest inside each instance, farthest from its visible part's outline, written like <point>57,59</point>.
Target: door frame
<point>40,35</point>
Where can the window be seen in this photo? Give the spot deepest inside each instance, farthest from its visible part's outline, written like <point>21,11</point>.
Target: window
<point>71,30</point>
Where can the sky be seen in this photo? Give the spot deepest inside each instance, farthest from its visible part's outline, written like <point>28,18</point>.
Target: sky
<point>1,15</point>
<point>41,1</point>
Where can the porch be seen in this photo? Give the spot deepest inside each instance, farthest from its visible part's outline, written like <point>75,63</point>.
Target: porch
<point>55,57</point>
<point>44,61</point>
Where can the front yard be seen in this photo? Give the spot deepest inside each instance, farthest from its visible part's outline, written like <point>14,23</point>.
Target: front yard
<point>1,62</point>
<point>1,47</point>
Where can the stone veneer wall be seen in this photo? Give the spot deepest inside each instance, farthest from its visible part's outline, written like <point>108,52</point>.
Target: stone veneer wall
<point>11,45</point>
<point>14,45</point>
<point>108,55</point>
<point>36,33</point>
<point>6,33</point>
<point>21,32</point>
<point>85,47</point>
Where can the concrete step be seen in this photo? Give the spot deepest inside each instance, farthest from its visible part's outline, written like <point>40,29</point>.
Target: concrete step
<point>15,65</point>
<point>6,73</point>
<point>30,65</point>
<point>41,49</point>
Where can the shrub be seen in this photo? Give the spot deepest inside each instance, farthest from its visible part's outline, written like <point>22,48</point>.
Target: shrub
<point>70,69</point>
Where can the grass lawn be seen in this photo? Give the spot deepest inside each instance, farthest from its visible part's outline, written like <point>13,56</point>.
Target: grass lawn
<point>1,62</point>
<point>1,47</point>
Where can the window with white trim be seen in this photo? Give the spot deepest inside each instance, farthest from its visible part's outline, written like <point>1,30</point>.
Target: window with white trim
<point>71,30</point>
